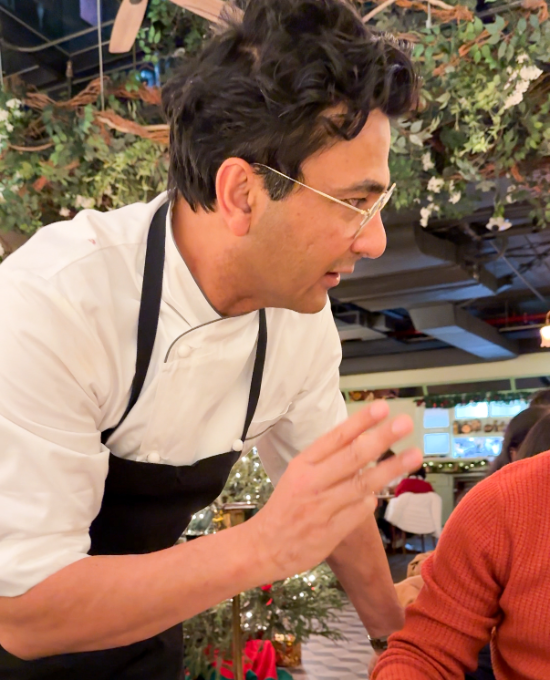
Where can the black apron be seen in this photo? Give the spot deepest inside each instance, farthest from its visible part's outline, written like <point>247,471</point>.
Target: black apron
<point>146,507</point>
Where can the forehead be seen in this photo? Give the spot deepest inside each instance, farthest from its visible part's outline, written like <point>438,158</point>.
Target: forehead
<point>348,162</point>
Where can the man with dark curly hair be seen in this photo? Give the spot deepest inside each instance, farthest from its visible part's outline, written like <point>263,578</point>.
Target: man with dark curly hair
<point>143,350</point>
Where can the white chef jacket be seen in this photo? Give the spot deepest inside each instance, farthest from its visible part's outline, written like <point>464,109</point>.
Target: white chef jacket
<point>70,302</point>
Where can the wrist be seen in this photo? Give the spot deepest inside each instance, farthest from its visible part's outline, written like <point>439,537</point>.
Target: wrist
<point>379,644</point>
<point>259,556</point>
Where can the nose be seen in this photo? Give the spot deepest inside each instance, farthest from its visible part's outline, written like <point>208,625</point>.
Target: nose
<point>371,242</point>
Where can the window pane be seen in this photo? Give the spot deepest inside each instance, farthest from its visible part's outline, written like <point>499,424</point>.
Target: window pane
<point>475,410</point>
<point>476,447</point>
<point>436,418</point>
<point>499,409</point>
<point>436,444</point>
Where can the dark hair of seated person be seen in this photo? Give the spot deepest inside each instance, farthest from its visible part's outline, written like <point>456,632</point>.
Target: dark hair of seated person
<point>421,472</point>
<point>538,439</point>
<point>541,398</point>
<point>517,430</point>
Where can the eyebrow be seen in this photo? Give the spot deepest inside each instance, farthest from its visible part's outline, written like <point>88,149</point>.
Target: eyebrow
<point>368,186</point>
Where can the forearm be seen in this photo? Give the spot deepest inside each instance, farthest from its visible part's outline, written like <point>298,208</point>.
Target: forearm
<point>109,601</point>
<point>362,568</point>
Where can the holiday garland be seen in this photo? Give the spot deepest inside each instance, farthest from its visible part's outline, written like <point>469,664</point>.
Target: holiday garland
<point>451,400</point>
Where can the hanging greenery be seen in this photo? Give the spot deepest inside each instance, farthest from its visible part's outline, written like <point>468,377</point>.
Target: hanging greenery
<point>481,125</point>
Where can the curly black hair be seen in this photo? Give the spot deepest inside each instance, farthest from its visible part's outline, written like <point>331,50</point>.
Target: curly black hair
<point>274,86</point>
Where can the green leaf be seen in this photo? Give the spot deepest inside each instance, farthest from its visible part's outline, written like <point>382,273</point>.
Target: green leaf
<point>502,50</point>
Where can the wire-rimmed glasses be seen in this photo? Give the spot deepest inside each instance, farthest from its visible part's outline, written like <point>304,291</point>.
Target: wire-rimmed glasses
<point>368,214</point>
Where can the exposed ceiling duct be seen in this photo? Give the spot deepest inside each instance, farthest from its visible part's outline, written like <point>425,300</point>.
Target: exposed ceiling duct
<point>440,274</point>
<point>357,324</point>
<point>460,329</point>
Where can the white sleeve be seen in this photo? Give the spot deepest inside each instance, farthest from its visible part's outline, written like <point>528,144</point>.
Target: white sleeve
<point>53,465</point>
<point>318,407</point>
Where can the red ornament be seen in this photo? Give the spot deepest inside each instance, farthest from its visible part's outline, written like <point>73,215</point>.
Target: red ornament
<point>269,602</point>
<point>267,587</point>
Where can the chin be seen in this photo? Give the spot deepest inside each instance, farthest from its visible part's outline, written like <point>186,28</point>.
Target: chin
<point>309,305</point>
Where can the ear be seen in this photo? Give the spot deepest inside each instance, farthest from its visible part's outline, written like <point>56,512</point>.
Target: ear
<point>235,194</point>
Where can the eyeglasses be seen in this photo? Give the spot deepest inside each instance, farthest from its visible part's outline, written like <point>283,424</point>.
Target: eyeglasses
<point>379,204</point>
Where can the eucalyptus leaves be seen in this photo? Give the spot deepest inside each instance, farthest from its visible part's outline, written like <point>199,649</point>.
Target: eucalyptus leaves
<point>482,124</point>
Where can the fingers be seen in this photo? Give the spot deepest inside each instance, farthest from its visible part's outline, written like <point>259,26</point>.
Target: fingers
<point>378,477</point>
<point>346,432</point>
<point>364,449</point>
<point>367,482</point>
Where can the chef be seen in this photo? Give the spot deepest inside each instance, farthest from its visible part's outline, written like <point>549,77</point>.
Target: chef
<point>143,350</point>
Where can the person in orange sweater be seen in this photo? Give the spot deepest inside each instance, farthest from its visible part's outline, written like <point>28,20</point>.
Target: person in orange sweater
<point>489,579</point>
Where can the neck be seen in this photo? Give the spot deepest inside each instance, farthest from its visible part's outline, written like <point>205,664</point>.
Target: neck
<point>214,259</point>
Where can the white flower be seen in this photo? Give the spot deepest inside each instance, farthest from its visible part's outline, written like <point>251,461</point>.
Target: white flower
<point>2,251</point>
<point>435,184</point>
<point>529,72</point>
<point>9,127</point>
<point>522,57</point>
<point>13,103</point>
<point>425,213</point>
<point>513,100</point>
<point>424,216</point>
<point>4,115</point>
<point>84,202</point>
<point>455,197</point>
<point>522,87</point>
<point>65,212</point>
<point>498,224</point>
<point>427,163</point>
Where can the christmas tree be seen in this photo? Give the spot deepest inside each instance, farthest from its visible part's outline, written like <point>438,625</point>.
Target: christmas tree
<point>290,610</point>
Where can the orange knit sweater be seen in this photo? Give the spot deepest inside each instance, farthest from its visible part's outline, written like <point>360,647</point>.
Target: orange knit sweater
<point>491,570</point>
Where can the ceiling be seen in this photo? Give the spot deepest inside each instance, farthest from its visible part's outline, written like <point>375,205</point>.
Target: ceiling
<point>44,41</point>
<point>452,294</point>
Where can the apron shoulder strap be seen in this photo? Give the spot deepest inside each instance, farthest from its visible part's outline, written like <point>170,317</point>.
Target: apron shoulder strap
<point>149,309</point>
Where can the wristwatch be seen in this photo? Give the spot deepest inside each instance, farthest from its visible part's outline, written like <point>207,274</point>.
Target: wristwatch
<point>379,644</point>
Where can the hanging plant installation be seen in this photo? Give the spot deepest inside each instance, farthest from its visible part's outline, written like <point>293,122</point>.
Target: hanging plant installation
<point>481,125</point>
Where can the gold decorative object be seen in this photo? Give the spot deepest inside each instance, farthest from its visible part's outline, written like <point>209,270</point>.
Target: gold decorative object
<point>237,513</point>
<point>233,514</point>
<point>288,652</point>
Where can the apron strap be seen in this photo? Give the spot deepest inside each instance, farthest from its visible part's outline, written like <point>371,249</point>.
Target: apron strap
<point>148,323</point>
<point>257,374</point>
<point>149,308</point>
